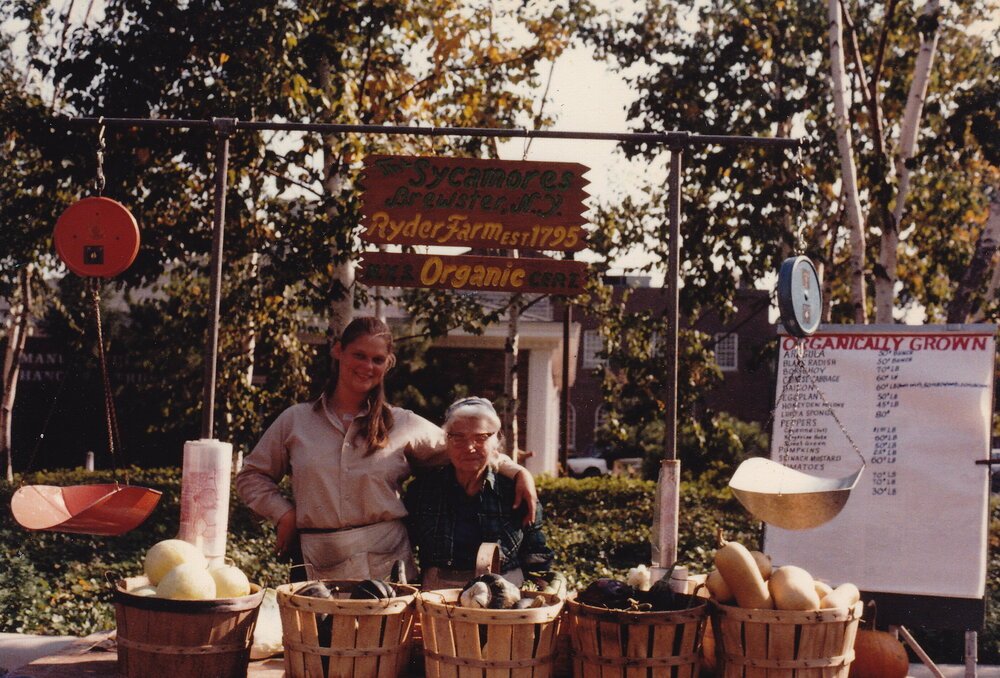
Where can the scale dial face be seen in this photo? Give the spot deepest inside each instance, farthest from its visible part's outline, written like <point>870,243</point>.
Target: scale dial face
<point>800,298</point>
<point>97,237</point>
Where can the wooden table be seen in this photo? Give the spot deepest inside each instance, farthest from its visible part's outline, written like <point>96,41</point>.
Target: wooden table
<point>96,657</point>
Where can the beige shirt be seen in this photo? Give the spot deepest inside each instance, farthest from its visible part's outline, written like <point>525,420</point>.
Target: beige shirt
<point>334,484</point>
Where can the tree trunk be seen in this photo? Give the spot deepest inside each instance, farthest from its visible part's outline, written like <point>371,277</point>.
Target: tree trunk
<point>984,259</point>
<point>849,181</point>
<point>880,216</point>
<point>342,276</point>
<point>250,341</point>
<point>909,128</point>
<point>17,337</point>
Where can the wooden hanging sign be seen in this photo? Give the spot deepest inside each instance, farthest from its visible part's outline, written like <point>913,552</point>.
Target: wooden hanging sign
<point>463,272</point>
<point>473,202</point>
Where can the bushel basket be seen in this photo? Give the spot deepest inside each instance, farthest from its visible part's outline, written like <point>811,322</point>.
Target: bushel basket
<point>632,644</point>
<point>479,643</point>
<point>338,636</point>
<point>784,644</point>
<point>196,638</point>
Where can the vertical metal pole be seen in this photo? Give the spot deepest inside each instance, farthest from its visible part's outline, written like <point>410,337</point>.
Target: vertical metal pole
<point>971,653</point>
<point>564,396</point>
<point>668,486</point>
<point>673,280</point>
<point>223,128</point>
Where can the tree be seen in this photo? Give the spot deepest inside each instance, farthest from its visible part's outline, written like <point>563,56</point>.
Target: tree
<point>29,191</point>
<point>760,68</point>
<point>839,76</point>
<point>292,211</point>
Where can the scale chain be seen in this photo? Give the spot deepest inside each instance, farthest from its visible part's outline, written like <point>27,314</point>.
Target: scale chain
<point>99,180</point>
<point>111,418</point>
<point>797,376</point>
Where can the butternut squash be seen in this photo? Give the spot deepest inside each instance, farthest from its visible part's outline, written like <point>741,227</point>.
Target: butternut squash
<point>792,588</point>
<point>763,564</point>
<point>717,586</point>
<point>741,574</point>
<point>845,595</point>
<point>822,589</point>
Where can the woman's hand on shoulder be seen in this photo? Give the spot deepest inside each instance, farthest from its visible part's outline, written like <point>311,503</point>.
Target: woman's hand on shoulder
<point>287,533</point>
<point>526,493</point>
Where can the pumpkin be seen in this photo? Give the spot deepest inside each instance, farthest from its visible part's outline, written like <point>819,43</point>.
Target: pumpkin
<point>707,661</point>
<point>741,573</point>
<point>878,654</point>
<point>372,589</point>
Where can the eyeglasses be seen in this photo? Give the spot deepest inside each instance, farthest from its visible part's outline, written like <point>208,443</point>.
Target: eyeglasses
<point>477,438</point>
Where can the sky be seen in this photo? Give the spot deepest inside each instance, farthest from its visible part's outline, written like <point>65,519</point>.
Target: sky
<point>586,95</point>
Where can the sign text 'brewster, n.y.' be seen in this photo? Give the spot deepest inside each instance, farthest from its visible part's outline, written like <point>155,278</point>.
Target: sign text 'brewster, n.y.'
<point>472,202</point>
<point>462,272</point>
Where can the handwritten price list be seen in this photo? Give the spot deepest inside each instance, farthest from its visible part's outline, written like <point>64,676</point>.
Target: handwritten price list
<point>917,403</point>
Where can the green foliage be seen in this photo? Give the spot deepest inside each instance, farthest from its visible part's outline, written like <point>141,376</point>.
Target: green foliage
<point>292,209</point>
<point>742,67</point>
<point>56,583</point>
<point>634,381</point>
<point>60,583</point>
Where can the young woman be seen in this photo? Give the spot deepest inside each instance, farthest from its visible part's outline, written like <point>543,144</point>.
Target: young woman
<point>455,508</point>
<point>347,454</point>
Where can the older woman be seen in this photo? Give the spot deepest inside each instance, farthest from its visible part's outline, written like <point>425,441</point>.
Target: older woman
<point>348,453</point>
<point>454,509</point>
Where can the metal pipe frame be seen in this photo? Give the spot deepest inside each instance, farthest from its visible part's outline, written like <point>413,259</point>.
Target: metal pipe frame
<point>225,127</point>
<point>658,138</point>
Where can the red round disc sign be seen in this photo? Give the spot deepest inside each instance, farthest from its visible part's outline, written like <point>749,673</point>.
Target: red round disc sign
<point>97,237</point>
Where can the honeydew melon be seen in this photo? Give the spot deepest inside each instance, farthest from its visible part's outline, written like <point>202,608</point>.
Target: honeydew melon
<point>230,582</point>
<point>187,582</point>
<point>168,554</point>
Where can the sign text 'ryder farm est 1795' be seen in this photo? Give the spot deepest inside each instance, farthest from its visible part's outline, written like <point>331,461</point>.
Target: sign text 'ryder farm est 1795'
<point>474,203</point>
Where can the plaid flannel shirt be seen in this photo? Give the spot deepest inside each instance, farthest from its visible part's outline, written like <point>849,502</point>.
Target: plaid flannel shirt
<point>434,499</point>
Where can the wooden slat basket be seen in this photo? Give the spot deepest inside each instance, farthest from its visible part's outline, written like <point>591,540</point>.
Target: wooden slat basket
<point>343,637</point>
<point>479,643</point>
<point>627,644</point>
<point>784,644</point>
<point>198,638</point>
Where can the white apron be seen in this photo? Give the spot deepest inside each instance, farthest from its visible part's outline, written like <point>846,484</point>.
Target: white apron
<point>358,553</point>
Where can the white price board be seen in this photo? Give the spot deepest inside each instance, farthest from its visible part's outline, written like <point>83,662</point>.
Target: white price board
<point>918,403</point>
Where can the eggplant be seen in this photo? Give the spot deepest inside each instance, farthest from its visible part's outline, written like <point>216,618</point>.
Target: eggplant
<point>660,596</point>
<point>324,622</point>
<point>398,573</point>
<point>372,589</point>
<point>608,593</point>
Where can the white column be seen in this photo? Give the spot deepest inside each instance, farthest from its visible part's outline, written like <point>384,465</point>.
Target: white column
<point>542,434</point>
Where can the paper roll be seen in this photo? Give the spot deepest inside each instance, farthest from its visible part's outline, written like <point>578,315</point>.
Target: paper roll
<point>208,466</point>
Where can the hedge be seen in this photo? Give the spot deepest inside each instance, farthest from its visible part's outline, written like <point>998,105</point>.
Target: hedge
<point>57,583</point>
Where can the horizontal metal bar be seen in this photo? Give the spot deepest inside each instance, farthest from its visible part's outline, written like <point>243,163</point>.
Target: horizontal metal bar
<point>676,139</point>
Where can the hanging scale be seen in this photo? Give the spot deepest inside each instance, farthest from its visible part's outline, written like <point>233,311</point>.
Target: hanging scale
<point>95,237</point>
<point>772,492</point>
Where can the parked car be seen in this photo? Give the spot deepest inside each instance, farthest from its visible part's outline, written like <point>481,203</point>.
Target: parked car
<point>588,463</point>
